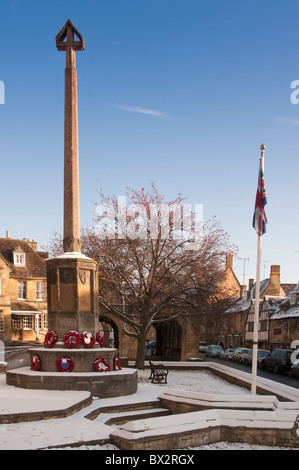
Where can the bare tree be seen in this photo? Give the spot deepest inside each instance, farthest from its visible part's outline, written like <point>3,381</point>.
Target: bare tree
<point>151,269</point>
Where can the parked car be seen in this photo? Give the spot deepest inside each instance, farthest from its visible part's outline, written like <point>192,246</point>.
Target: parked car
<point>294,372</point>
<point>261,354</point>
<point>227,354</point>
<point>239,353</point>
<point>214,350</point>
<point>247,359</point>
<point>202,348</point>
<point>278,361</point>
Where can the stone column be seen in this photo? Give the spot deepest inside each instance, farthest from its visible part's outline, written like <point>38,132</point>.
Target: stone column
<point>65,41</point>
<point>72,278</point>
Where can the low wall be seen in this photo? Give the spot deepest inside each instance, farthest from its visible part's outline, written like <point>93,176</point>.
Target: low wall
<point>100,384</point>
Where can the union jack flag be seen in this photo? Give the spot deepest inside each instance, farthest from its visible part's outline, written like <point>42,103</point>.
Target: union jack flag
<point>259,217</point>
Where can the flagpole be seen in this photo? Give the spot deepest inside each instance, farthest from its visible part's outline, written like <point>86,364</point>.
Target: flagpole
<point>257,298</point>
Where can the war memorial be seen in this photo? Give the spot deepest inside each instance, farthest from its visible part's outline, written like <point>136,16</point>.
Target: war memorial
<point>73,356</point>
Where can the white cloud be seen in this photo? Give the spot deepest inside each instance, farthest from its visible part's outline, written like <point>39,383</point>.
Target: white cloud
<point>288,120</point>
<point>152,112</point>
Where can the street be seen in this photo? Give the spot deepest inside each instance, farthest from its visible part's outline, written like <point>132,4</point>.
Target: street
<point>267,374</point>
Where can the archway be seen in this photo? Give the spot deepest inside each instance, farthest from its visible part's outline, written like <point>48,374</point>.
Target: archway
<point>169,340</point>
<point>109,331</point>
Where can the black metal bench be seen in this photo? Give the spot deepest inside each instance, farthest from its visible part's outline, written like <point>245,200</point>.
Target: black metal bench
<point>158,373</point>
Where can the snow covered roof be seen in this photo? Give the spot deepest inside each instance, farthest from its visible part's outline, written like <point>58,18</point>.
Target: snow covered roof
<point>239,304</point>
<point>283,308</point>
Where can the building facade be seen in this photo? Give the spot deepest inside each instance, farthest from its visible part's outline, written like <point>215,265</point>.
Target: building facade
<point>176,339</point>
<point>23,302</point>
<point>238,320</point>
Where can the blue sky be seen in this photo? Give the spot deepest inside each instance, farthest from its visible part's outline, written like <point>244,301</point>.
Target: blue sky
<point>180,93</point>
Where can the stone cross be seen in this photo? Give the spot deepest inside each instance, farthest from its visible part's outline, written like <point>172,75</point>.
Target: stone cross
<point>65,41</point>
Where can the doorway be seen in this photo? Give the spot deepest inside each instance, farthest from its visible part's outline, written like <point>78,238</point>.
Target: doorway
<point>169,340</point>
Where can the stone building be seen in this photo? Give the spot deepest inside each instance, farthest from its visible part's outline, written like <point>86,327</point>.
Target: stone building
<point>237,322</point>
<point>176,339</point>
<point>23,303</point>
<point>283,320</point>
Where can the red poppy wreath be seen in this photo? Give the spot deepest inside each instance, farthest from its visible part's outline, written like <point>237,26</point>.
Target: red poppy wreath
<point>72,339</point>
<point>101,365</point>
<point>35,362</point>
<point>100,339</point>
<point>117,363</point>
<point>88,340</point>
<point>64,364</point>
<point>51,339</point>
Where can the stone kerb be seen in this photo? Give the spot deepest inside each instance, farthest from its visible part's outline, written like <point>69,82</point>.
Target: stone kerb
<point>197,428</point>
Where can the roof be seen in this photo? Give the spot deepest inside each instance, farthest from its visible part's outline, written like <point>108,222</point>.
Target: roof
<point>263,285</point>
<point>283,308</point>
<point>22,307</point>
<point>239,304</point>
<point>288,288</point>
<point>35,264</point>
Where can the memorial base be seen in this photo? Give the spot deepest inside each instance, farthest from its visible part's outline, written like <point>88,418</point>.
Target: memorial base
<point>47,371</point>
<point>99,384</point>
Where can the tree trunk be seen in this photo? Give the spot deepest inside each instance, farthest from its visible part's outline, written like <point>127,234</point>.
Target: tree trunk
<point>140,349</point>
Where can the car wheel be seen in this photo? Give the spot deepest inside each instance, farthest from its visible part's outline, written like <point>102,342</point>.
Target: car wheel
<point>276,369</point>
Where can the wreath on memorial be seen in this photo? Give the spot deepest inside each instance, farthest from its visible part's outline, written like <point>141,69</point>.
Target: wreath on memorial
<point>51,339</point>
<point>100,339</point>
<point>117,363</point>
<point>72,339</point>
<point>87,339</point>
<point>101,365</point>
<point>65,364</point>
<point>35,362</point>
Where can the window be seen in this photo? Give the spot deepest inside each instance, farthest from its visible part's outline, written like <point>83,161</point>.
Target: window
<point>22,290</point>
<point>293,299</point>
<point>1,320</point>
<point>40,290</point>
<point>19,259</point>
<point>0,284</point>
<point>45,321</point>
<point>17,322</point>
<point>277,331</point>
<point>28,322</point>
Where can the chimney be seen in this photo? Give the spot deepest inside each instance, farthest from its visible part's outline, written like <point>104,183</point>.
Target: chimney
<point>33,244</point>
<point>7,234</point>
<point>250,284</point>
<point>275,273</point>
<point>229,261</point>
<point>274,286</point>
<point>242,291</point>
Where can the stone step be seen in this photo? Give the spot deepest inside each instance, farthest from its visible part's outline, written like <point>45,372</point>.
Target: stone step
<point>135,406</point>
<point>126,417</point>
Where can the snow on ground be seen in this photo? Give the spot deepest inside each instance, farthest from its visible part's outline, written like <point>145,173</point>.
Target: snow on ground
<point>64,432</point>
<point>196,381</point>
